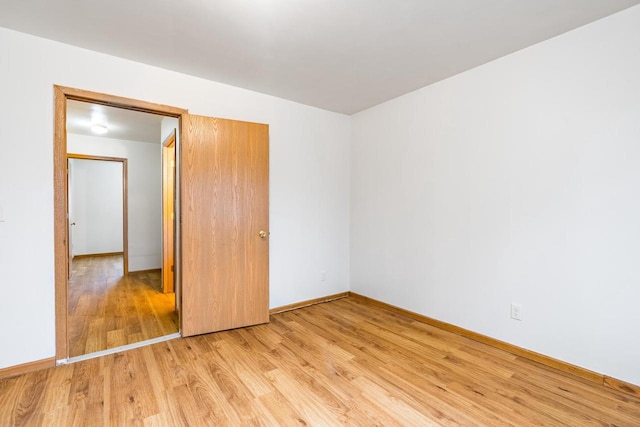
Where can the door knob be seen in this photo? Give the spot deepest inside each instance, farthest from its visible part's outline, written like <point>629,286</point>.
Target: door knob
<point>262,234</point>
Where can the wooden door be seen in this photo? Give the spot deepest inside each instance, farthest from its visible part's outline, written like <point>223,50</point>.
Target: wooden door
<point>224,184</point>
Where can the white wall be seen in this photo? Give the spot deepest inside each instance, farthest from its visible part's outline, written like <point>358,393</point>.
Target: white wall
<point>95,206</point>
<point>144,193</point>
<point>309,178</point>
<point>517,181</point>
<point>167,126</point>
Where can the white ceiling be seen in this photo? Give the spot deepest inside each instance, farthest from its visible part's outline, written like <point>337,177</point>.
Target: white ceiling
<point>341,55</point>
<point>122,124</point>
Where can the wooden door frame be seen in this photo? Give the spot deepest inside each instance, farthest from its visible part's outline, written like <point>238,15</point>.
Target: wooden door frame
<point>168,199</point>
<point>125,210</point>
<point>60,226</point>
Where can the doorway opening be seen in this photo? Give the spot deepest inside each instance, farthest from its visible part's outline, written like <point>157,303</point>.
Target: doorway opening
<point>220,219</point>
<point>97,207</point>
<point>111,290</point>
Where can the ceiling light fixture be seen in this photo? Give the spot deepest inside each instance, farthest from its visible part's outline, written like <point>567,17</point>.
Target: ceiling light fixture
<point>98,128</point>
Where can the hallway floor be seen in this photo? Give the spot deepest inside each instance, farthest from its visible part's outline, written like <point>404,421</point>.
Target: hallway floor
<point>107,309</point>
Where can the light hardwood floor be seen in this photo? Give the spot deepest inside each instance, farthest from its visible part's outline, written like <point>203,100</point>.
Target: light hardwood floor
<point>107,309</point>
<point>338,363</point>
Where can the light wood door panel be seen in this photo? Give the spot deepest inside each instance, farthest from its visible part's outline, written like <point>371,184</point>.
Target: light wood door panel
<point>225,204</point>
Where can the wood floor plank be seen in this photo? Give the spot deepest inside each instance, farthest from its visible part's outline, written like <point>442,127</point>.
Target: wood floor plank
<point>403,412</point>
<point>283,412</point>
<point>132,398</point>
<point>30,393</point>
<point>210,398</point>
<point>339,363</point>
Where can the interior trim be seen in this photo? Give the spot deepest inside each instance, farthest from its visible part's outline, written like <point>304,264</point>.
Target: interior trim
<point>149,270</point>
<point>307,303</point>
<point>119,101</point>
<point>622,386</point>
<point>564,367</point>
<point>104,254</point>
<point>125,201</point>
<point>24,368</point>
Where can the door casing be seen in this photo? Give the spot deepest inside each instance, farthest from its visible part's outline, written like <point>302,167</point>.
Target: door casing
<point>61,237</point>
<point>168,212</point>
<point>125,216</point>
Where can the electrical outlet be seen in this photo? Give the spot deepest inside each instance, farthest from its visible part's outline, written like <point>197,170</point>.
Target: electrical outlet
<point>516,311</point>
<point>323,276</point>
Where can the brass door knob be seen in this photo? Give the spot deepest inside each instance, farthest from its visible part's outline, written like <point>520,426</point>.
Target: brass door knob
<point>262,234</point>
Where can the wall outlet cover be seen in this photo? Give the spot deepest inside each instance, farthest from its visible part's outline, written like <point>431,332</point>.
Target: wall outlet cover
<point>516,311</point>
